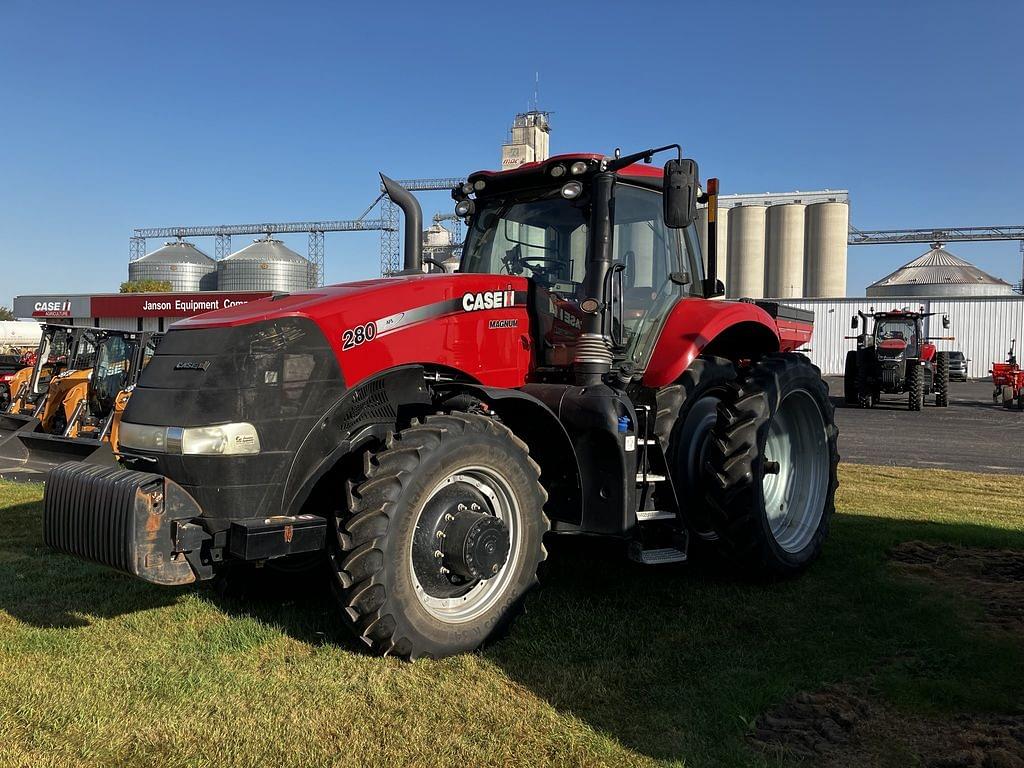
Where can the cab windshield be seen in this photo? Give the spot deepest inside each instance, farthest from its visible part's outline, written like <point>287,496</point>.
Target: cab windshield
<point>897,330</point>
<point>543,238</point>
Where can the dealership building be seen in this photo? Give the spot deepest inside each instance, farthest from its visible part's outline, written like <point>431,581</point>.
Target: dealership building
<point>127,311</point>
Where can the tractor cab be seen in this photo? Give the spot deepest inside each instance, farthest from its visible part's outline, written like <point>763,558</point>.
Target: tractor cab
<point>592,236</point>
<point>898,335</point>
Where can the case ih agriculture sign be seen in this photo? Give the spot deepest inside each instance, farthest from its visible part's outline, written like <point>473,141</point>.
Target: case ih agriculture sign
<point>171,305</point>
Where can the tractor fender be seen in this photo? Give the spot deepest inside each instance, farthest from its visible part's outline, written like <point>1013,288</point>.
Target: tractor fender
<point>731,329</point>
<point>367,412</point>
<point>550,446</point>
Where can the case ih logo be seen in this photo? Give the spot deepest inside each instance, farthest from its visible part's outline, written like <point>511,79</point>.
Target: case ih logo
<point>488,300</point>
<point>192,365</point>
<point>51,309</point>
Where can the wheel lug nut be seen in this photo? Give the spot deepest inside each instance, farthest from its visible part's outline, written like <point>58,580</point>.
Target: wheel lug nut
<point>438,554</point>
<point>771,467</point>
<point>444,571</point>
<point>474,506</point>
<point>461,507</point>
<point>440,534</point>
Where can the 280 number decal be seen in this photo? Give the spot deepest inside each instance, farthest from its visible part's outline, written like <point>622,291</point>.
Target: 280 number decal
<point>353,337</point>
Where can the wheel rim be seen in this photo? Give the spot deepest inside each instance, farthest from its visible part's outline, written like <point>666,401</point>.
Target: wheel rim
<point>797,446</point>
<point>474,598</point>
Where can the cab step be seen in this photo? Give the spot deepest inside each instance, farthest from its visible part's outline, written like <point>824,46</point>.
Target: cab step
<point>662,556</point>
<point>654,514</point>
<point>650,477</point>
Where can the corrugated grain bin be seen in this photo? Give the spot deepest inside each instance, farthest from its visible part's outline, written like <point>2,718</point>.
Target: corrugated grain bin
<point>265,265</point>
<point>939,273</point>
<point>181,264</point>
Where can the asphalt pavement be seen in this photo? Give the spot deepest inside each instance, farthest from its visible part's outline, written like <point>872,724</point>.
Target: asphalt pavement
<point>972,433</point>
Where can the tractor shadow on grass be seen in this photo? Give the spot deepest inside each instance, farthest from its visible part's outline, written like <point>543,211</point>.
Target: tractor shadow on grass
<point>51,590</point>
<point>676,661</point>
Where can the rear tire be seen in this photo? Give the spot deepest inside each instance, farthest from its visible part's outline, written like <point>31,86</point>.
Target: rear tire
<point>850,378</point>
<point>397,596</point>
<point>915,386</point>
<point>686,413</point>
<point>941,380</point>
<point>771,463</point>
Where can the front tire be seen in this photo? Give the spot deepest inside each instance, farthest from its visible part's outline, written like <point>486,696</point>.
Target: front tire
<point>941,383</point>
<point>462,485</point>
<point>771,463</point>
<point>915,386</point>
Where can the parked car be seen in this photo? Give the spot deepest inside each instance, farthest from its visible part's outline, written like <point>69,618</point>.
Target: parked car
<point>958,366</point>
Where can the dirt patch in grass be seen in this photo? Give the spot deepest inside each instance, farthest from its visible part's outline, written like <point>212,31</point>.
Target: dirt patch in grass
<point>841,727</point>
<point>993,578</point>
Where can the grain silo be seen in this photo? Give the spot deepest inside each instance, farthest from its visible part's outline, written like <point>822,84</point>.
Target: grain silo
<point>722,239</point>
<point>939,273</point>
<point>179,263</point>
<point>265,265</point>
<point>827,231</point>
<point>746,252</point>
<point>784,255</point>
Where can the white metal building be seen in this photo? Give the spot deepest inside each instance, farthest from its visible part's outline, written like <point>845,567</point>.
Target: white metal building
<point>981,325</point>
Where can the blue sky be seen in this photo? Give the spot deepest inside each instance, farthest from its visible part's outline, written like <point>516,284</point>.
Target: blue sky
<point>122,114</point>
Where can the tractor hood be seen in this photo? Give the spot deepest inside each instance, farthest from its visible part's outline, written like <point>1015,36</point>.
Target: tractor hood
<point>372,325</point>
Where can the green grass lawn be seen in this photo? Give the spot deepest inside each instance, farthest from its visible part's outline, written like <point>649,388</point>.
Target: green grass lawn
<point>613,663</point>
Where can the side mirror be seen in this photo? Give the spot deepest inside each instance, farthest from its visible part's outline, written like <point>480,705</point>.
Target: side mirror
<point>853,322</point>
<point>945,321</point>
<point>680,193</point>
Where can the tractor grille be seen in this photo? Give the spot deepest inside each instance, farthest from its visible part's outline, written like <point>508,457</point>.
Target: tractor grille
<point>890,377</point>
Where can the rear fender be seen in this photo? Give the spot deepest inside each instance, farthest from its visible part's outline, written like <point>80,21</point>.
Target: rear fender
<point>734,330</point>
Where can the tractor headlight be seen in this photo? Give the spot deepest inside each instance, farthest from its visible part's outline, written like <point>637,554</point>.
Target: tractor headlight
<point>220,440</point>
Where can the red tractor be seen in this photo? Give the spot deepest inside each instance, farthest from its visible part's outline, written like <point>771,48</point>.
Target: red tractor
<point>895,357</point>
<point>423,433</point>
<point>1008,380</point>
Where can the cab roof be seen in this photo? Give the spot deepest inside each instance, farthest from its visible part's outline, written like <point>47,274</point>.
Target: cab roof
<point>650,175</point>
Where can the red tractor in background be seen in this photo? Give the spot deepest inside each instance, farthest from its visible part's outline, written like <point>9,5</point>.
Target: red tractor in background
<point>895,357</point>
<point>422,434</point>
<point>1008,380</point>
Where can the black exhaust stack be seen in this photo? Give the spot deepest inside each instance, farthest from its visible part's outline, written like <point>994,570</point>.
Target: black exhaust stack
<point>405,200</point>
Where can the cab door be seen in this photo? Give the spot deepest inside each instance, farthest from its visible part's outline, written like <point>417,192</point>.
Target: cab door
<point>658,267</point>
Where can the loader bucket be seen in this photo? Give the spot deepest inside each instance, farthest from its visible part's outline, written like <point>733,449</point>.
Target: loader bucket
<point>26,454</point>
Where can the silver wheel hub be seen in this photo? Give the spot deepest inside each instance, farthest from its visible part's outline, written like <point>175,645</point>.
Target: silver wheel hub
<point>796,471</point>
<point>468,518</point>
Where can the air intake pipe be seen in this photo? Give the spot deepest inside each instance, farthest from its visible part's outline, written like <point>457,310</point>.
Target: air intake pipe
<point>405,200</point>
